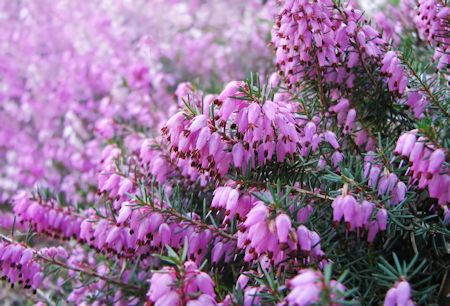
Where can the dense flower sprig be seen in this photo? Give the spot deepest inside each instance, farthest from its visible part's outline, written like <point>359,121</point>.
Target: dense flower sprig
<point>276,237</point>
<point>427,165</point>
<point>18,265</point>
<point>382,180</point>
<point>314,40</point>
<point>243,132</point>
<point>359,215</point>
<point>432,21</point>
<point>44,218</point>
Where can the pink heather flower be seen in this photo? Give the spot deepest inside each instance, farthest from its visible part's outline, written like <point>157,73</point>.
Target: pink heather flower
<point>45,218</point>
<point>375,175</point>
<point>232,203</point>
<point>170,298</point>
<point>397,78</point>
<point>252,296</point>
<point>124,213</point>
<point>253,133</point>
<point>274,80</point>
<point>331,138</point>
<point>361,137</point>
<point>436,160</point>
<point>205,284</point>
<point>389,26</point>
<point>350,121</point>
<point>431,21</point>
<point>338,211</point>
<point>400,143</point>
<point>113,235</point>
<point>349,207</point>
<point>337,157</point>
<point>308,287</point>
<point>105,127</point>
<point>203,138</point>
<point>202,300</point>
<point>306,295</point>
<point>197,123</point>
<point>417,152</point>
<point>283,224</point>
<point>373,230</point>
<point>220,197</point>
<point>383,180</point>
<point>257,214</point>
<point>310,130</point>
<point>382,219</point>
<point>230,90</point>
<point>399,193</point>
<point>304,213</point>
<point>165,233</point>
<point>217,252</point>
<point>238,155</point>
<point>387,183</point>
<point>307,239</point>
<point>366,211</point>
<point>418,102</point>
<point>242,281</point>
<point>307,35</point>
<point>399,295</point>
<point>359,215</point>
<point>410,141</point>
<point>125,186</point>
<point>341,106</point>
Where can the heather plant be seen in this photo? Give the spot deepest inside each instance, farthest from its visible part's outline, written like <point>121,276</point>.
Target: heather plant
<point>288,153</point>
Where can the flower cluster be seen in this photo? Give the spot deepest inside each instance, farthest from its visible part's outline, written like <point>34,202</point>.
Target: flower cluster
<point>142,231</point>
<point>242,133</point>
<point>46,218</point>
<point>234,204</point>
<point>18,265</point>
<point>432,21</point>
<point>391,66</point>
<point>385,182</point>
<point>303,38</point>
<point>359,215</point>
<point>136,231</point>
<point>309,288</point>
<point>347,120</point>
<point>427,165</point>
<point>275,238</point>
<point>154,161</point>
<point>418,103</point>
<point>390,25</point>
<point>314,40</point>
<point>185,286</point>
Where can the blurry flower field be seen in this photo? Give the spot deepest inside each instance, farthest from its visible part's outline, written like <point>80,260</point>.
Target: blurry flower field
<point>194,152</point>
